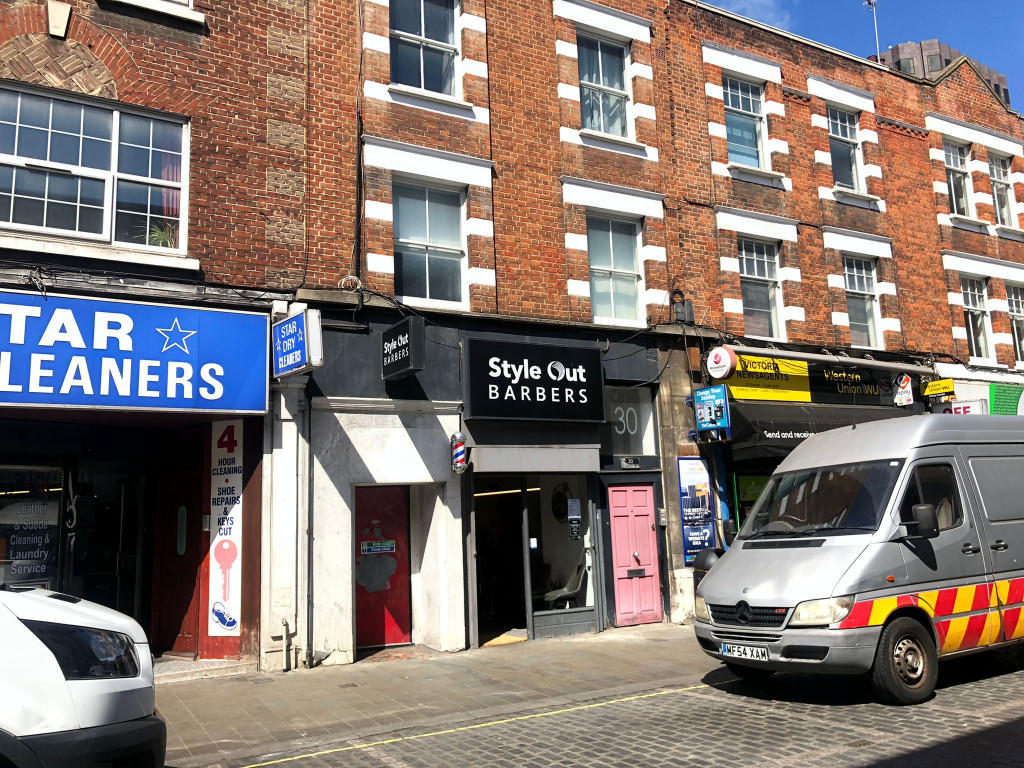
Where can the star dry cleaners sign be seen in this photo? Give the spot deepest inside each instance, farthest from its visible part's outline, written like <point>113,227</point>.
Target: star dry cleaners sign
<point>60,351</point>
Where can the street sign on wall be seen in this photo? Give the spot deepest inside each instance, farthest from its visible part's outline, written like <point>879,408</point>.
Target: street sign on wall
<point>63,351</point>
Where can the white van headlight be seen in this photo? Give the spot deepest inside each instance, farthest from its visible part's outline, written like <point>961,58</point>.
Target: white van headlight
<point>818,613</point>
<point>84,653</point>
<point>700,609</point>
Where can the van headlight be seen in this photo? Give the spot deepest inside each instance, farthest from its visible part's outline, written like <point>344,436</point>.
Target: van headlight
<point>819,613</point>
<point>84,653</point>
<point>700,609</point>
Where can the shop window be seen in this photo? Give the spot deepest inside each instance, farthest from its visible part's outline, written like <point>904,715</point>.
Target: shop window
<point>760,287</point>
<point>30,499</point>
<point>614,271</point>
<point>1015,298</point>
<point>845,149</point>
<point>744,121</point>
<point>1002,190</point>
<point>957,179</point>
<point>100,174</point>
<point>603,95</point>
<point>428,243</point>
<point>861,301</point>
<point>629,425</point>
<point>976,317</point>
<point>423,50</point>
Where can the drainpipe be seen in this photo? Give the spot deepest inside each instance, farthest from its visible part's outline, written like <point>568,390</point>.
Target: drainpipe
<point>285,666</point>
<point>310,660</point>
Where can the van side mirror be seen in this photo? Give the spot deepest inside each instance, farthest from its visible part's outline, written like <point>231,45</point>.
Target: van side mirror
<point>729,529</point>
<point>925,522</point>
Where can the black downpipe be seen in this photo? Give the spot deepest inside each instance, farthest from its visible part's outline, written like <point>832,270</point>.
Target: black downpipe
<point>309,526</point>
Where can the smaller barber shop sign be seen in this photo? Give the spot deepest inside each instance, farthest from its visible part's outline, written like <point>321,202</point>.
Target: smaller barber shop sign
<point>401,351</point>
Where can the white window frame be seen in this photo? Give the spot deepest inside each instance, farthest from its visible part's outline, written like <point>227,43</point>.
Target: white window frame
<point>774,283</point>
<point>429,42</point>
<point>110,177</point>
<point>761,119</point>
<point>627,81</point>
<point>423,301</point>
<point>641,309</point>
<point>859,182</point>
<point>869,289</point>
<point>955,153</point>
<point>978,306</point>
<point>1015,303</point>
<point>999,167</point>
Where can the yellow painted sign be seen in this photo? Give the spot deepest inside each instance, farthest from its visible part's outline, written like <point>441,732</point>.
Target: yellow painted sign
<point>768,378</point>
<point>937,387</point>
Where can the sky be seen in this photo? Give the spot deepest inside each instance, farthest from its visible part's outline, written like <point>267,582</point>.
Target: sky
<point>990,31</point>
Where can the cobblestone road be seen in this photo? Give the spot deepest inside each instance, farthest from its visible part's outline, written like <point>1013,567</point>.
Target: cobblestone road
<point>975,719</point>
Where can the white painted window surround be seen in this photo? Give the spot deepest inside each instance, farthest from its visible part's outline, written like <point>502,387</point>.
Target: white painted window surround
<point>426,163</point>
<point>611,198</point>
<point>604,19</point>
<point>968,133</point>
<point>761,225</point>
<point>856,243</point>
<point>741,63</point>
<point>420,99</point>
<point>840,94</point>
<point>169,8</point>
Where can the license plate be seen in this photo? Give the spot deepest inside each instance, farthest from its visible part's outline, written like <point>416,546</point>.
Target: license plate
<point>752,652</point>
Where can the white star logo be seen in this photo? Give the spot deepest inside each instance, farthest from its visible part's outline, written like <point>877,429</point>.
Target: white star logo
<point>179,335</point>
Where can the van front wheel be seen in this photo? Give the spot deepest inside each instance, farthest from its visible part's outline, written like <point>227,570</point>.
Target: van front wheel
<point>906,663</point>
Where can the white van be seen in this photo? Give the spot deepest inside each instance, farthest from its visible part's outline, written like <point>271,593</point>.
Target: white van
<point>877,549</point>
<point>77,685</point>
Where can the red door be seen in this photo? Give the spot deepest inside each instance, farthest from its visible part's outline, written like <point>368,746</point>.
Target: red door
<point>383,608</point>
<point>634,555</point>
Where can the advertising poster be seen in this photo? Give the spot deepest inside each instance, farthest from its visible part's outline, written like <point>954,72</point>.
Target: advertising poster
<point>226,481</point>
<point>29,528</point>
<point>696,507</point>
<point>712,407</point>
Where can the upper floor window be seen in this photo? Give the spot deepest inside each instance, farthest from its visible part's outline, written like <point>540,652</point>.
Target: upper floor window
<point>744,122</point>
<point>603,95</point>
<point>934,62</point>
<point>760,287</point>
<point>428,243</point>
<point>906,65</point>
<point>957,179</point>
<point>614,272</point>
<point>423,47</point>
<point>93,172</point>
<point>842,140</point>
<point>861,302</point>
<point>1015,298</point>
<point>976,318</point>
<point>1002,191</point>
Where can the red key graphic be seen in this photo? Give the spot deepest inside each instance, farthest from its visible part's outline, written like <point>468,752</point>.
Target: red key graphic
<point>225,553</point>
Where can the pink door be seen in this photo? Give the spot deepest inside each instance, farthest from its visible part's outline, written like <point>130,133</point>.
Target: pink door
<point>634,555</point>
<point>383,607</point>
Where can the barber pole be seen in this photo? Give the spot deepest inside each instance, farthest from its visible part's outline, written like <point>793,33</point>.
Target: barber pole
<point>459,453</point>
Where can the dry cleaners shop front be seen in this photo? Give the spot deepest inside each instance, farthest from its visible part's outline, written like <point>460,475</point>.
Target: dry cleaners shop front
<point>130,482</point>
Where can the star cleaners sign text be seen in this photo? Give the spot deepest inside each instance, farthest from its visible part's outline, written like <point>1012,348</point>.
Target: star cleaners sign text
<point>59,351</point>
<point>510,380</point>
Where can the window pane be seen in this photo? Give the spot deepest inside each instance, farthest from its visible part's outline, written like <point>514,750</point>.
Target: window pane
<point>624,297</point>
<point>61,216</point>
<point>590,108</point>
<point>410,213</point>
<point>445,278</point>
<point>599,243</point>
<point>957,193</point>
<point>8,106</point>
<point>130,228</point>
<point>166,136</point>
<point>405,16</point>
<point>600,294</point>
<point>624,245</point>
<point>91,192</point>
<point>90,220</point>
<point>134,130</point>
<point>934,484</point>
<point>614,114</point>
<point>28,210</point>
<point>5,207</point>
<point>439,20</point>
<point>590,70</point>
<point>164,202</point>
<point>35,110</point>
<point>6,178</point>
<point>411,272</point>
<point>977,342</point>
<point>132,197</point>
<point>63,188</point>
<point>613,64</point>
<point>96,154</point>
<point>30,183</point>
<point>843,163</point>
<point>1017,323</point>
<point>861,312</point>
<point>405,63</point>
<point>96,123</point>
<point>438,70</point>
<point>32,143</point>
<point>1004,211</point>
<point>445,213</point>
<point>162,233</point>
<point>67,117</point>
<point>741,134</point>
<point>64,148</point>
<point>133,160</point>
<point>757,308</point>
<point>165,166</point>
<point>6,138</point>
<point>934,62</point>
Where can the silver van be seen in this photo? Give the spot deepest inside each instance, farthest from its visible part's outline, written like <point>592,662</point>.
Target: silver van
<point>876,549</point>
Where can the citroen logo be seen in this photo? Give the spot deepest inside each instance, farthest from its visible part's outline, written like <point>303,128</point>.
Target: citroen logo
<point>743,613</point>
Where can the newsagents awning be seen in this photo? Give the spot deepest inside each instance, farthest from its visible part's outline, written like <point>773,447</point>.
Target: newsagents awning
<point>772,430</point>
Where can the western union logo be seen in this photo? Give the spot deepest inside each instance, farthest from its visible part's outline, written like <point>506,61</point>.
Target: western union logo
<point>937,387</point>
<point>767,378</point>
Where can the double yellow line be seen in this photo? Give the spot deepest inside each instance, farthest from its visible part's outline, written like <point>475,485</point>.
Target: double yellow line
<point>475,726</point>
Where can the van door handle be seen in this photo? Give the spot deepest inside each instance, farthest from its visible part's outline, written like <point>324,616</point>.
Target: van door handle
<point>998,545</point>
<point>970,549</point>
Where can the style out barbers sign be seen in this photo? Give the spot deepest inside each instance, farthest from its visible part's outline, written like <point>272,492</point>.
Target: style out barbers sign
<point>402,349</point>
<point>536,382</point>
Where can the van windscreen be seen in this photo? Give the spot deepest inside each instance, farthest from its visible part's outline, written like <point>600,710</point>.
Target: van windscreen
<point>824,501</point>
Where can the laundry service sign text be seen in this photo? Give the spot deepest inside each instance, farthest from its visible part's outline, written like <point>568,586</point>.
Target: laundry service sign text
<point>61,351</point>
<point>512,380</point>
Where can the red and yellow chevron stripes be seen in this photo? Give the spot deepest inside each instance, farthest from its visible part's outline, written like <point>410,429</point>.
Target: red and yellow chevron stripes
<point>956,632</point>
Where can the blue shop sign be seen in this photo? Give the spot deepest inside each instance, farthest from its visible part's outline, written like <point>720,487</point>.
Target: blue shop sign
<point>712,407</point>
<point>297,343</point>
<point>61,351</point>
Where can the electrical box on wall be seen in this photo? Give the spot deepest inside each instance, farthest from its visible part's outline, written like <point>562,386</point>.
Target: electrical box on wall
<point>662,517</point>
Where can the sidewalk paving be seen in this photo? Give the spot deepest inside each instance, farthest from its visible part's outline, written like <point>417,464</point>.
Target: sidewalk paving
<point>233,721</point>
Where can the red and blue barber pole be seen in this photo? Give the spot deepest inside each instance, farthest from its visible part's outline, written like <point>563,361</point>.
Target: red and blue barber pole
<point>459,453</point>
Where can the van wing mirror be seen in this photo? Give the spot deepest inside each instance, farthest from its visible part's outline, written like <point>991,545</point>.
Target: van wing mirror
<point>925,523</point>
<point>729,528</point>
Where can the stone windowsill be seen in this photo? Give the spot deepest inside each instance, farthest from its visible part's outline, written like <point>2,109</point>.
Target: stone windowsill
<point>586,133</point>
<point>756,175</point>
<point>854,196</point>
<point>425,95</point>
<point>1010,233</point>
<point>968,222</point>
<point>168,8</point>
<point>17,241</point>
